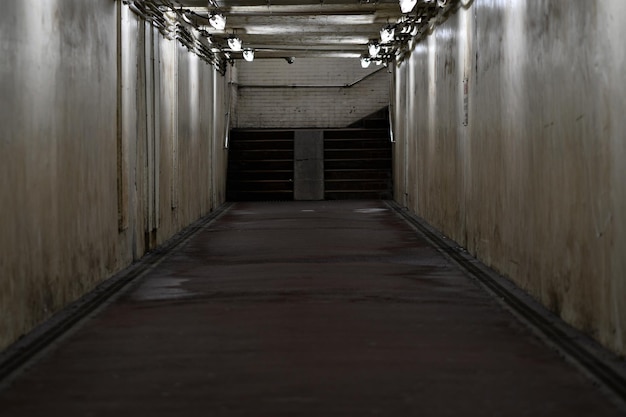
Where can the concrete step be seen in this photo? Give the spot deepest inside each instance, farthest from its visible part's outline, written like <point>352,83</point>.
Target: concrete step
<point>357,164</point>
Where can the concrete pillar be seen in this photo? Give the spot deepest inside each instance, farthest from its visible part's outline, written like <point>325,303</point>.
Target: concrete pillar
<point>308,165</point>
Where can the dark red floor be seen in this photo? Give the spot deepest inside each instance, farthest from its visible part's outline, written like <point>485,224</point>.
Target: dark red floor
<point>304,309</point>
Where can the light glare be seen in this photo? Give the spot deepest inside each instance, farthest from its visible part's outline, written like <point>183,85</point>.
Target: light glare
<point>248,54</point>
<point>234,44</point>
<point>407,5</point>
<point>373,48</point>
<point>387,34</point>
<point>218,21</point>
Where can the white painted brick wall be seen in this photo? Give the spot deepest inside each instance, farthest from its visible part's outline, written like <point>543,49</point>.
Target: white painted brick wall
<point>267,97</point>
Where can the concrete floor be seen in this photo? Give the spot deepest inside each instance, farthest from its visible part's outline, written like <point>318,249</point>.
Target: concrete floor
<point>304,309</point>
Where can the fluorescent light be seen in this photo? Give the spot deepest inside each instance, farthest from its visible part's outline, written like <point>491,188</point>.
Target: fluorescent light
<point>234,43</point>
<point>218,21</point>
<point>248,54</point>
<point>407,5</point>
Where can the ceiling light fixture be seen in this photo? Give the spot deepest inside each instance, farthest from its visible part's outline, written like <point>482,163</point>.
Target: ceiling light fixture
<point>218,21</point>
<point>234,43</point>
<point>248,54</point>
<point>387,34</point>
<point>373,48</point>
<point>407,5</point>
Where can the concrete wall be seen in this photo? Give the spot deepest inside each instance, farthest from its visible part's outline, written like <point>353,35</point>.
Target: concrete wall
<point>111,141</point>
<point>310,93</point>
<point>526,167</point>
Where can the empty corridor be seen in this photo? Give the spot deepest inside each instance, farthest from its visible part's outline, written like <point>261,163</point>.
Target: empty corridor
<point>303,309</point>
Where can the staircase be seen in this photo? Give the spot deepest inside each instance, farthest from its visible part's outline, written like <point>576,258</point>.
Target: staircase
<point>357,164</point>
<point>260,165</point>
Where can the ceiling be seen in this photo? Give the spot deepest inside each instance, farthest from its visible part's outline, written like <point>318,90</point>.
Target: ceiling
<point>280,28</point>
<point>294,28</point>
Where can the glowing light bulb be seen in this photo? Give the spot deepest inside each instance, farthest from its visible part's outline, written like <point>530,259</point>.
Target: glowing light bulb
<point>407,5</point>
<point>218,21</point>
<point>373,48</point>
<point>234,44</point>
<point>387,34</point>
<point>248,54</point>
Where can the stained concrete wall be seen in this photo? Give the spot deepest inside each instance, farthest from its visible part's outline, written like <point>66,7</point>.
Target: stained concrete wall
<point>111,142</point>
<point>511,139</point>
<point>310,93</point>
